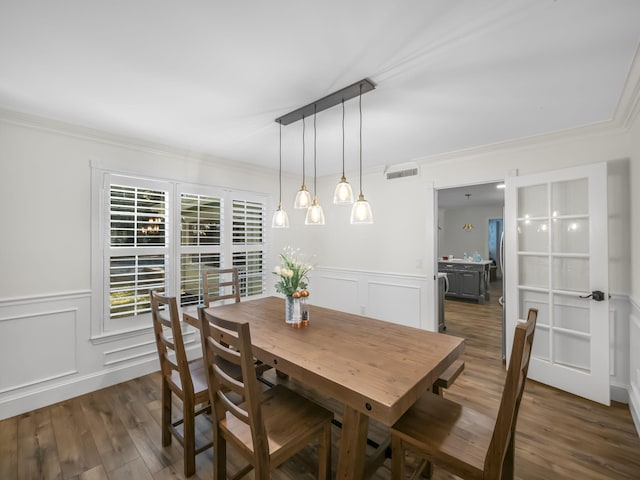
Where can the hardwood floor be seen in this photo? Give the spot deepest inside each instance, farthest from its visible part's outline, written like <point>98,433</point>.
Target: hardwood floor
<point>114,433</point>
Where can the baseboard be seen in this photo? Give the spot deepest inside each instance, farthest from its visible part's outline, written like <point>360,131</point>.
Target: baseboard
<point>74,387</point>
<point>619,394</point>
<point>634,408</point>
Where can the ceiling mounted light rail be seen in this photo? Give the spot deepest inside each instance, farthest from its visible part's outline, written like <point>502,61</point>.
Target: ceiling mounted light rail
<point>331,100</point>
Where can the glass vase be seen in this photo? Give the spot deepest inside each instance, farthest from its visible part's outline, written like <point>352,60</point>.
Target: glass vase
<point>292,310</point>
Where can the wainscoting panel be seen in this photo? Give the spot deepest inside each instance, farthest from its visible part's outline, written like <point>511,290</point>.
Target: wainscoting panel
<point>395,303</point>
<point>334,291</point>
<point>393,297</point>
<point>634,363</point>
<point>46,353</point>
<point>31,353</point>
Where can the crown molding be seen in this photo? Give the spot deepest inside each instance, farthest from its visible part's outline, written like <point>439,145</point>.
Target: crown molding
<point>608,127</point>
<point>107,138</point>
<point>628,106</point>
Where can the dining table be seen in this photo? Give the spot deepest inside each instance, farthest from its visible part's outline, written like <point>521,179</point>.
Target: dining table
<point>376,369</point>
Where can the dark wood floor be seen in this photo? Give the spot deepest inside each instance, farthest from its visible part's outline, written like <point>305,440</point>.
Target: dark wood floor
<point>114,433</point>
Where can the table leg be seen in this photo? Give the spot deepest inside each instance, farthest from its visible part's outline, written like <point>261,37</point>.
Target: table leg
<point>353,442</point>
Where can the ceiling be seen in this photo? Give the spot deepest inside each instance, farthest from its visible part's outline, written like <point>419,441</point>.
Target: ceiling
<point>210,76</point>
<point>480,195</point>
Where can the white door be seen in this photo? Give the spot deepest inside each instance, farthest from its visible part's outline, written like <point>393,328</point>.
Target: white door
<point>556,257</point>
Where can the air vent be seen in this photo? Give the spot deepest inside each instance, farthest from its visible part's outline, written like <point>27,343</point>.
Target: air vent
<point>401,171</point>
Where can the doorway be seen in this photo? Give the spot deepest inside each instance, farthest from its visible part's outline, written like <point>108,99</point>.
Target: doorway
<point>470,223</point>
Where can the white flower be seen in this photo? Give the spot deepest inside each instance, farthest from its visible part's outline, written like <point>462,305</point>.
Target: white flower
<point>278,270</point>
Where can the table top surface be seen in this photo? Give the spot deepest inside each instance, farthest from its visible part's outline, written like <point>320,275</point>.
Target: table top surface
<point>377,367</point>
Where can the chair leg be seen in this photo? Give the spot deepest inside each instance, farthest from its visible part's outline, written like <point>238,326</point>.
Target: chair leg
<point>219,456</point>
<point>397,458</point>
<point>189,432</point>
<point>324,453</point>
<point>508,466</point>
<point>166,414</point>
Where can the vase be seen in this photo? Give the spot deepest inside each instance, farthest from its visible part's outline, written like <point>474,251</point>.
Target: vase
<point>292,310</point>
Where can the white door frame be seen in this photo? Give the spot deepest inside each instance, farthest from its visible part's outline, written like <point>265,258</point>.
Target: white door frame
<point>431,246</point>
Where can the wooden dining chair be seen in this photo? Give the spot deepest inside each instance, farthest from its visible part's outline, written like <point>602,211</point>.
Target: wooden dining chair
<point>460,439</point>
<point>187,380</point>
<point>266,428</point>
<point>220,284</point>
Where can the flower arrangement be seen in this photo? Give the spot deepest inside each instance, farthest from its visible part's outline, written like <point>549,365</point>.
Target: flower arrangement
<point>293,272</point>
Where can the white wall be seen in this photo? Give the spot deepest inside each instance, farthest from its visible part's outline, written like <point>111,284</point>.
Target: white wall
<point>454,240</point>
<point>46,353</point>
<point>634,318</point>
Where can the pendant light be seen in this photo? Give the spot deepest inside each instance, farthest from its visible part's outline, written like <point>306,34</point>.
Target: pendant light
<point>315,215</point>
<point>343,194</point>
<point>303,197</point>
<point>280,217</point>
<point>361,211</point>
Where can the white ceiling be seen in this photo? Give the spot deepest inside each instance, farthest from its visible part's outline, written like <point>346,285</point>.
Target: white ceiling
<point>210,76</point>
<point>485,194</point>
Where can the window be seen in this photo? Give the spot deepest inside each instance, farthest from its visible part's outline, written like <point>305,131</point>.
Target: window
<point>162,235</point>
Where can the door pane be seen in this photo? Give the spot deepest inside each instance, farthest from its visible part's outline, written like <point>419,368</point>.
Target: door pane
<point>571,274</point>
<point>570,198</point>
<point>571,313</point>
<point>540,300</point>
<point>533,235</point>
<point>532,201</point>
<point>533,271</point>
<point>570,235</point>
<point>572,350</point>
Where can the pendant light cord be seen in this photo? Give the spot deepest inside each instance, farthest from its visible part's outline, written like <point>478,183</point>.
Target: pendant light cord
<point>280,172</point>
<point>360,107</point>
<point>343,177</point>
<point>314,151</point>
<point>303,149</point>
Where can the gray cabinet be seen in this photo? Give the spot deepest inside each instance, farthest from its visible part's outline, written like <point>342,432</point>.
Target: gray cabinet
<point>466,280</point>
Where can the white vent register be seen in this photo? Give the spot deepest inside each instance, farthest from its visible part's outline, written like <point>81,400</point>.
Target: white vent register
<point>401,171</point>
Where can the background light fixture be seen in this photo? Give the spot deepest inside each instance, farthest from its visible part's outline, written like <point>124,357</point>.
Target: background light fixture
<point>303,197</point>
<point>315,215</point>
<point>280,217</point>
<point>361,212</point>
<point>343,194</point>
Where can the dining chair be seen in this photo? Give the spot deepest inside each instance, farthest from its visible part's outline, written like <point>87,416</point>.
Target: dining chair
<point>463,441</point>
<point>266,428</point>
<point>187,380</point>
<point>220,284</point>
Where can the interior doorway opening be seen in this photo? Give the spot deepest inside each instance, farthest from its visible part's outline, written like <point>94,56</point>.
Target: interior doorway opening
<point>470,223</point>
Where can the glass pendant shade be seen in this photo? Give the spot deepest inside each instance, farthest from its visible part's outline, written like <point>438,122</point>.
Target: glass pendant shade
<point>315,215</point>
<point>361,212</point>
<point>303,198</point>
<point>343,194</point>
<point>280,218</point>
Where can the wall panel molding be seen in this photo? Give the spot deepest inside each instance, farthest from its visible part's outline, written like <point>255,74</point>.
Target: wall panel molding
<point>634,363</point>
<point>47,356</point>
<point>394,297</point>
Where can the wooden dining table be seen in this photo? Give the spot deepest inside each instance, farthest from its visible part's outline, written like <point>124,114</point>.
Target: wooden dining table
<point>376,369</point>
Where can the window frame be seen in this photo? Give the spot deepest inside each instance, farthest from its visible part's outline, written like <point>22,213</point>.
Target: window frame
<point>104,328</point>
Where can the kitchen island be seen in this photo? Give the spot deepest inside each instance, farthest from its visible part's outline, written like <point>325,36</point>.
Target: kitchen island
<point>467,278</point>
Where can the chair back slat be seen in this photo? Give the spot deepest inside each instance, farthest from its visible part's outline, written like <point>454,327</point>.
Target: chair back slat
<point>227,344</point>
<point>505,426</point>
<point>219,284</point>
<point>169,342</point>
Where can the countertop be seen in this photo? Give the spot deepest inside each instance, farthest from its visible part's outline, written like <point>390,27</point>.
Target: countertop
<point>466,262</point>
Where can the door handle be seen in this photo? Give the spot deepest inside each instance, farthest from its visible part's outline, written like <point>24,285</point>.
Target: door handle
<point>597,295</point>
